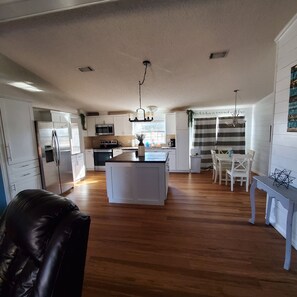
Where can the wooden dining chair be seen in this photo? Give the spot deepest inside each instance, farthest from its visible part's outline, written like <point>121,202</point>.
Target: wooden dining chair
<point>240,169</point>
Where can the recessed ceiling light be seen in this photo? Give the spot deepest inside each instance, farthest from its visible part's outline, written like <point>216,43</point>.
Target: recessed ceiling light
<point>218,55</point>
<point>86,69</point>
<point>25,86</point>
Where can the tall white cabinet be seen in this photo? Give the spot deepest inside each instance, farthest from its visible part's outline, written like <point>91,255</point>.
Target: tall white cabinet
<point>19,150</point>
<point>182,154</point>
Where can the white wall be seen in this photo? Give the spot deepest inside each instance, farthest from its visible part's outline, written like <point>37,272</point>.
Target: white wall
<point>261,142</point>
<point>284,145</point>
<point>51,98</point>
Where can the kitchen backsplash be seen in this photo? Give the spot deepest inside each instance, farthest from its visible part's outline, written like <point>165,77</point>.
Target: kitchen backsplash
<point>94,142</point>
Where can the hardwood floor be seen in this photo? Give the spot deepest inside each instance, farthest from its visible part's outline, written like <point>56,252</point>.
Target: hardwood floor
<point>199,244</point>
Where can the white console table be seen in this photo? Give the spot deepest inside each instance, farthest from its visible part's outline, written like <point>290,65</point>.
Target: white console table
<point>288,199</point>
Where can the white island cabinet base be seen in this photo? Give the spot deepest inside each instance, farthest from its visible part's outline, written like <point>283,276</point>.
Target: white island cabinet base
<point>137,183</point>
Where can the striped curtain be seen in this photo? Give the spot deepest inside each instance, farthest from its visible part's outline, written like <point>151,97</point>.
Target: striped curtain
<point>231,136</point>
<point>204,138</point>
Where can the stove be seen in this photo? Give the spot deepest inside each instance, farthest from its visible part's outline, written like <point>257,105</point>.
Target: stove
<point>103,153</point>
<point>108,144</point>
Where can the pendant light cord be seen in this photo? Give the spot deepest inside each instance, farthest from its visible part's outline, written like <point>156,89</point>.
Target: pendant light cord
<point>146,63</point>
<point>140,83</point>
<point>235,111</point>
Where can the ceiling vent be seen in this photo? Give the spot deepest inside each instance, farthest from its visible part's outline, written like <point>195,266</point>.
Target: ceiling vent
<point>218,55</point>
<point>85,69</point>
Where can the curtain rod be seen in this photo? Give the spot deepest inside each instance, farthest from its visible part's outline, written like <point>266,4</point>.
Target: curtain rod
<point>227,112</point>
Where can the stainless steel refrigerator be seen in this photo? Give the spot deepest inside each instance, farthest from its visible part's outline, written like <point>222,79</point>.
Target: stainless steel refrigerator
<point>54,152</point>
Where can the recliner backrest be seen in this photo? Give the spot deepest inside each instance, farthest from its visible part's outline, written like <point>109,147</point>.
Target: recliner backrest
<point>43,242</point>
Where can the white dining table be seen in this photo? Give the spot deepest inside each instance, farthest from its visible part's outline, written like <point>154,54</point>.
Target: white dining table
<point>223,159</point>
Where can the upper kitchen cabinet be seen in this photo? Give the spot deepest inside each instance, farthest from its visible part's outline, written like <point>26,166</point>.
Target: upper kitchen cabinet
<point>104,119</point>
<point>60,117</point>
<point>91,122</point>
<point>181,120</point>
<point>18,129</point>
<point>170,123</point>
<point>122,126</point>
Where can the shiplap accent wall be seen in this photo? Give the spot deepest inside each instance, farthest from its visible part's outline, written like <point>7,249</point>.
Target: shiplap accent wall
<point>284,145</point>
<point>261,138</point>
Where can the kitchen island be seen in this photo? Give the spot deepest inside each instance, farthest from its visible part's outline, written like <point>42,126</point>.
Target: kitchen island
<point>137,180</point>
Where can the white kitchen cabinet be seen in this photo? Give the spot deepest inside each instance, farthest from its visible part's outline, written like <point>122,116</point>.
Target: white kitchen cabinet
<point>182,150</point>
<point>170,123</point>
<point>104,119</point>
<point>60,117</point>
<point>171,156</point>
<point>75,135</point>
<point>137,183</point>
<point>91,122</point>
<point>89,155</point>
<point>122,126</point>
<point>18,129</point>
<point>24,175</point>
<point>33,182</point>
<point>78,167</point>
<point>172,160</point>
<point>181,120</point>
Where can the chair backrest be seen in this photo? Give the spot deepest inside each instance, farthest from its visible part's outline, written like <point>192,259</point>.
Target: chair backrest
<point>240,163</point>
<point>43,243</point>
<point>213,156</point>
<point>251,153</point>
<point>224,149</point>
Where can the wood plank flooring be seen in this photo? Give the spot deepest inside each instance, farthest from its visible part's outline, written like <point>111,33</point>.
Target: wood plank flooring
<point>199,244</point>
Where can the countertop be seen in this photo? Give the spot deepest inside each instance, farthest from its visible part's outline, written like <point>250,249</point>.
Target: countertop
<point>134,148</point>
<point>150,157</point>
<point>147,148</point>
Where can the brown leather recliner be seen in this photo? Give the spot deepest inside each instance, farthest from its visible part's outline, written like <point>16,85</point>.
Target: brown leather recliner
<point>43,243</point>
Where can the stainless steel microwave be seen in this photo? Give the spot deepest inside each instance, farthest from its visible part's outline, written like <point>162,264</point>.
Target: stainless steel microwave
<point>106,129</point>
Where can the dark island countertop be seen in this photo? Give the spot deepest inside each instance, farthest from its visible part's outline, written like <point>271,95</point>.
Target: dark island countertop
<point>150,157</point>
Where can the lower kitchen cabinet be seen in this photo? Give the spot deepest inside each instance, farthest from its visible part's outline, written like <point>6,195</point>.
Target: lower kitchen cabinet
<point>89,155</point>
<point>171,157</point>
<point>137,182</point>
<point>172,160</point>
<point>33,182</point>
<point>24,175</point>
<point>78,166</point>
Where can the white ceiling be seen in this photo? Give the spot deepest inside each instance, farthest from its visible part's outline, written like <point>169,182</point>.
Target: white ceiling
<point>114,37</point>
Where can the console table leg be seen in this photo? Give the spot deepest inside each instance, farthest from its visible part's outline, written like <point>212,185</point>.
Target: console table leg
<point>269,202</point>
<point>252,199</point>
<point>289,236</point>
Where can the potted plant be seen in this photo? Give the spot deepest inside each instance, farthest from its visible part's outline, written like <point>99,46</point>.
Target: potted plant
<point>141,149</point>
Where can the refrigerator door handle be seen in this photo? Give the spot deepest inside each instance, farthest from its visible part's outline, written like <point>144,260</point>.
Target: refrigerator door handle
<point>54,146</point>
<point>58,149</point>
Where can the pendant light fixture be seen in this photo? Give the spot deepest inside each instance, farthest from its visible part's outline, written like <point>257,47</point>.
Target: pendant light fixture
<point>140,112</point>
<point>236,111</point>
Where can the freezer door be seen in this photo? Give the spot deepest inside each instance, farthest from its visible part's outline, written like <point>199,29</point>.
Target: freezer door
<point>64,156</point>
<point>48,157</point>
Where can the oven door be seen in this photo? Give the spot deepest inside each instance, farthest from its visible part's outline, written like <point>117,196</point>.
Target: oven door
<point>100,156</point>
